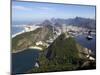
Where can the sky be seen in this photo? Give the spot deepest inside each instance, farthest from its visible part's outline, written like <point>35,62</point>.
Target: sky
<point>33,11</point>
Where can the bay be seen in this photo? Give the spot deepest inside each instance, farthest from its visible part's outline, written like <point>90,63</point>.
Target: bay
<point>90,44</point>
<point>23,61</point>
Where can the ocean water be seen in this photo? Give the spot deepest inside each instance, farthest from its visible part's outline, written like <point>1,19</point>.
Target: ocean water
<point>17,26</point>
<point>15,30</point>
<point>24,61</point>
<point>90,44</point>
<point>20,24</point>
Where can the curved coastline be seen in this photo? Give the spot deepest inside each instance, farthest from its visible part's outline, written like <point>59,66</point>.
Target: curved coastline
<point>21,32</point>
<point>18,33</point>
<point>24,31</point>
<point>31,47</point>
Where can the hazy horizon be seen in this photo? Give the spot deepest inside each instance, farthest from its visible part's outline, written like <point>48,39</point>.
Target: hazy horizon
<point>36,11</point>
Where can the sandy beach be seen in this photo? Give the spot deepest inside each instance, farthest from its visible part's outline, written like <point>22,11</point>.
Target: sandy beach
<point>33,27</point>
<point>31,47</point>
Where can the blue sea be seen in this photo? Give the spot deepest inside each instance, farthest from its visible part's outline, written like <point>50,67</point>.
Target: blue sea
<point>15,30</point>
<point>24,61</point>
<point>90,44</point>
<point>18,26</point>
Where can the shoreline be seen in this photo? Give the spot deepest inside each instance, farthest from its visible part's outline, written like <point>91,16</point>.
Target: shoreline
<point>21,32</point>
<point>31,47</point>
<point>18,51</point>
<point>24,31</point>
<point>36,47</point>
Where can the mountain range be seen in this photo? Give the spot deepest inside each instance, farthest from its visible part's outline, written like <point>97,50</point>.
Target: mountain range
<point>77,21</point>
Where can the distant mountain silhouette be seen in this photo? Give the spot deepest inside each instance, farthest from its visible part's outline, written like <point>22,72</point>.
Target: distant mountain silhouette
<point>77,21</point>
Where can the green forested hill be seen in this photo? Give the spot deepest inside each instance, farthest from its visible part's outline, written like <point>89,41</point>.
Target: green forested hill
<point>63,50</point>
<point>27,39</point>
<point>64,54</point>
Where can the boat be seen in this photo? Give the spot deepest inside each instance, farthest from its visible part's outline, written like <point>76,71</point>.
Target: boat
<point>89,37</point>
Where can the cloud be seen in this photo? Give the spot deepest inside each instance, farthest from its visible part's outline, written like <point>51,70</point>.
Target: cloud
<point>21,8</point>
<point>45,8</point>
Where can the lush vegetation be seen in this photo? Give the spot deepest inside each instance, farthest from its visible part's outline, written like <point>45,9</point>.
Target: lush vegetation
<point>27,39</point>
<point>64,54</point>
<point>61,55</point>
<point>64,49</point>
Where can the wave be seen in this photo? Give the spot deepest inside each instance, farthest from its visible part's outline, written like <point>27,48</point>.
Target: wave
<point>33,27</point>
<point>18,33</point>
<point>19,25</point>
